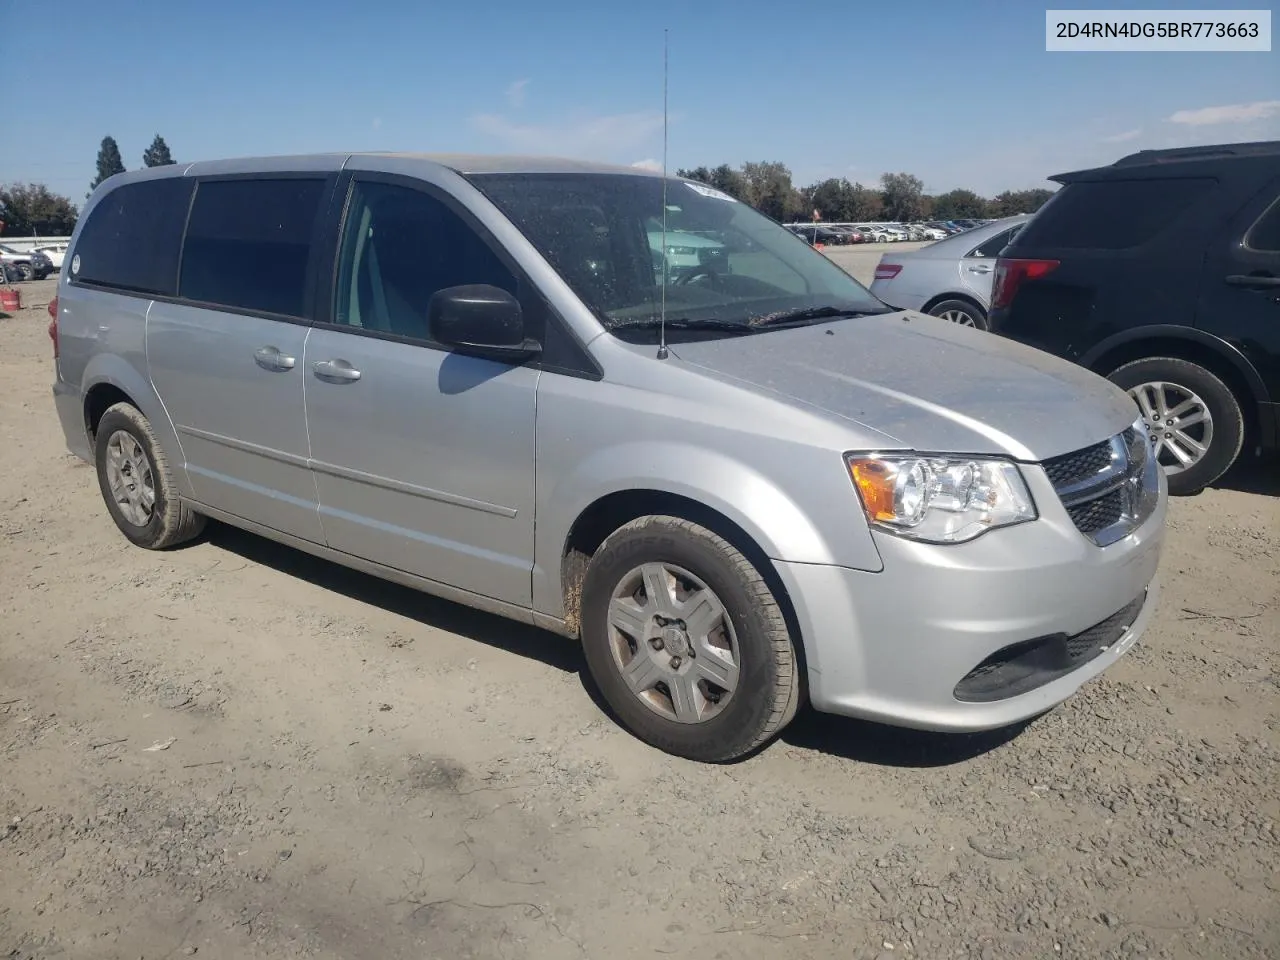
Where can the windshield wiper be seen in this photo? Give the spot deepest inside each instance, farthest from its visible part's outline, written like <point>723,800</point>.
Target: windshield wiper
<point>677,323</point>
<point>807,314</point>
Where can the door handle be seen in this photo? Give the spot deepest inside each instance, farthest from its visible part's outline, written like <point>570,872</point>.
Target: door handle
<point>1253,280</point>
<point>985,268</point>
<point>270,358</point>
<point>335,371</point>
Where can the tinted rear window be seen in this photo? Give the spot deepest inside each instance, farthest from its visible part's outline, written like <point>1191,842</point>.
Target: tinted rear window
<point>248,244</point>
<point>1111,214</point>
<point>132,237</point>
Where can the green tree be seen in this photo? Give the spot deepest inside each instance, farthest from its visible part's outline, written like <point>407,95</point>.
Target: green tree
<point>724,178</point>
<point>864,203</point>
<point>768,188</point>
<point>701,174</point>
<point>109,161</point>
<point>959,203</point>
<point>157,155</point>
<point>902,194</point>
<point>831,198</point>
<point>1013,202</point>
<point>728,180</point>
<point>31,209</point>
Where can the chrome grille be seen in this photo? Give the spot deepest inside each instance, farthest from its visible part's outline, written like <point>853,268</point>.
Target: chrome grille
<point>1108,488</point>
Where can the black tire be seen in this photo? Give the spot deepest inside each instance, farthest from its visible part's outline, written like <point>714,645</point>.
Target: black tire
<point>1222,404</point>
<point>977,316</point>
<point>26,271</point>
<point>768,689</point>
<point>172,522</point>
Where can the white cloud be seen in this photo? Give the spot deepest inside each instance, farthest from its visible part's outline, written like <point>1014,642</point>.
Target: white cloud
<point>516,91</point>
<point>581,136</point>
<point>1229,113</point>
<point>377,123</point>
<point>1124,137</point>
<point>654,165</point>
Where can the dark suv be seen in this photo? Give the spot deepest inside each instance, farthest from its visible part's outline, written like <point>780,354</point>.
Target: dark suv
<point>1162,272</point>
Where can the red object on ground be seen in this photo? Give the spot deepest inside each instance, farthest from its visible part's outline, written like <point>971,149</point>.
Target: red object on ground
<point>10,300</point>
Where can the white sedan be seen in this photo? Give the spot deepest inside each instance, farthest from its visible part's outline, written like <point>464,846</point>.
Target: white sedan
<point>55,252</point>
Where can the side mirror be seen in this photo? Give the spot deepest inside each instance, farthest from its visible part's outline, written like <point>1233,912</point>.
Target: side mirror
<point>480,319</point>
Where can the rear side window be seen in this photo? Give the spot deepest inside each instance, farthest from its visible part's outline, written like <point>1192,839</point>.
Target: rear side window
<point>248,244</point>
<point>131,240</point>
<point>1111,214</point>
<point>993,246</point>
<point>1265,234</point>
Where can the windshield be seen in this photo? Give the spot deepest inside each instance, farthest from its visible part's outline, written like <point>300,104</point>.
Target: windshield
<point>727,268</point>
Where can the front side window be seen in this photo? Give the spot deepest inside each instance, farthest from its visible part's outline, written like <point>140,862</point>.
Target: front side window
<point>132,237</point>
<point>400,246</point>
<point>248,244</point>
<point>720,265</point>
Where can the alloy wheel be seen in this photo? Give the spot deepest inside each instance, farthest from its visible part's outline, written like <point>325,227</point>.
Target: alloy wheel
<point>1180,423</point>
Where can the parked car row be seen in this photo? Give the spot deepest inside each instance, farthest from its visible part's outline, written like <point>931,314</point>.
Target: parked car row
<point>24,264</point>
<point>839,234</point>
<point>1161,272</point>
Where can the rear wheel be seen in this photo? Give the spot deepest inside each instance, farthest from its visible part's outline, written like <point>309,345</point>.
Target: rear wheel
<point>26,271</point>
<point>1197,427</point>
<point>686,641</point>
<point>137,482</point>
<point>962,312</point>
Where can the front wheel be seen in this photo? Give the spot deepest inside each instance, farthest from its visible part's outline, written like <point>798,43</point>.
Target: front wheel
<point>1197,427</point>
<point>26,271</point>
<point>686,641</point>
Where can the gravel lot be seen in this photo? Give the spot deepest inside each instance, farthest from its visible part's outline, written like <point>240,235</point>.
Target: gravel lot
<point>236,750</point>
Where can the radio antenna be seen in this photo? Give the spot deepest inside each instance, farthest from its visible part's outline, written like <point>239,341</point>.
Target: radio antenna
<point>662,315</point>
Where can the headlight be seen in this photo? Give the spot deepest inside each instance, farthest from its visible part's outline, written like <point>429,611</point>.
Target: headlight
<point>940,500</point>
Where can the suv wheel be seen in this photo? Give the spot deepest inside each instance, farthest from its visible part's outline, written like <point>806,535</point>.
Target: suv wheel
<point>26,271</point>
<point>686,642</point>
<point>1197,428</point>
<point>962,312</point>
<point>137,483</point>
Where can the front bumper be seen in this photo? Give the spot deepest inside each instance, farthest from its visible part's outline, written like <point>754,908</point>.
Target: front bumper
<point>892,646</point>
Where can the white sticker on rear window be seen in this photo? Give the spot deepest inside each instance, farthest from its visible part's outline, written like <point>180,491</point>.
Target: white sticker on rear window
<point>709,192</point>
<point>75,264</point>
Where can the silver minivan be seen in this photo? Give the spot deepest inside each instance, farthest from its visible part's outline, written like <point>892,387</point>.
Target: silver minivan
<point>742,484</point>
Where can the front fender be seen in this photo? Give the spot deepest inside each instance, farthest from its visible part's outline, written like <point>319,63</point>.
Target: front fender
<point>758,503</point>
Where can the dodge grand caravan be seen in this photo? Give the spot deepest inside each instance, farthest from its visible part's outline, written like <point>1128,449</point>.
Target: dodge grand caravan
<point>740,484</point>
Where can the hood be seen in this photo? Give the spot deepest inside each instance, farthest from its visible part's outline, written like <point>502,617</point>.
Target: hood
<point>929,384</point>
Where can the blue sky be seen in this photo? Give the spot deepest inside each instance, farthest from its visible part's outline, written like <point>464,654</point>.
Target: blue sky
<point>961,94</point>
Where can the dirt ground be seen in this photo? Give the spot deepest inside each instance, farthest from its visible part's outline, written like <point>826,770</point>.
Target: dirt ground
<point>236,751</point>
